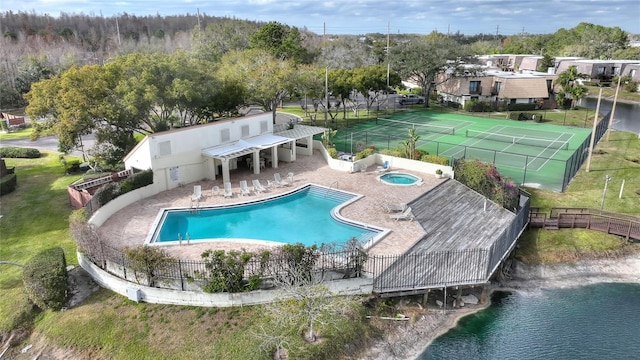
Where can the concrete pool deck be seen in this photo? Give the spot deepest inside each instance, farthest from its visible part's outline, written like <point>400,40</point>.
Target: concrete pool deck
<point>130,226</point>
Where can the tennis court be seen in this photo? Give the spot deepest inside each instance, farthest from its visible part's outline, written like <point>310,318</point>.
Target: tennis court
<point>534,154</point>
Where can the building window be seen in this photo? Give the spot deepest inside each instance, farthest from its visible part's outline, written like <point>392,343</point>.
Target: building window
<point>497,87</point>
<point>474,87</point>
<point>245,131</point>
<point>600,70</point>
<point>264,127</point>
<point>225,135</point>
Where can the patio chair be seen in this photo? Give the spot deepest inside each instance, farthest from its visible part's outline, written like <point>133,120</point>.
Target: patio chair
<point>385,167</point>
<point>405,215</point>
<point>394,208</point>
<point>197,193</point>
<point>215,190</point>
<point>244,190</point>
<point>279,180</point>
<point>227,190</point>
<point>257,186</point>
<point>290,177</point>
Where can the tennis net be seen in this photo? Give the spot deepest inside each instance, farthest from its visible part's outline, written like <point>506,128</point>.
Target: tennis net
<point>520,140</point>
<point>424,127</point>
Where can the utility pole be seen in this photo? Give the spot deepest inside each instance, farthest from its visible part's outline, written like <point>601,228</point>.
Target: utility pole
<point>388,50</point>
<point>613,108</point>
<point>593,132</point>
<point>326,77</point>
<point>118,30</point>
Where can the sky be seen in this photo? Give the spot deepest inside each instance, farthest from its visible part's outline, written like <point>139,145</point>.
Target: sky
<point>506,17</point>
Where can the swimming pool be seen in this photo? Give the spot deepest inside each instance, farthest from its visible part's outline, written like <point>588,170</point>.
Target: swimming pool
<point>308,215</point>
<point>396,178</point>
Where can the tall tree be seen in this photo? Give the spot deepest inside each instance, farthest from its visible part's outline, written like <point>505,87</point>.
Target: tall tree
<point>281,41</point>
<point>570,89</point>
<point>267,80</point>
<point>421,60</point>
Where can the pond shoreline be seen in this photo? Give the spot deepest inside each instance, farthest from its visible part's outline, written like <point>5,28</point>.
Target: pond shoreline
<point>408,341</point>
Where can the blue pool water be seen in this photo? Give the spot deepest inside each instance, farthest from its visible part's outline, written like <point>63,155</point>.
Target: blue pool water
<point>399,179</point>
<point>300,217</point>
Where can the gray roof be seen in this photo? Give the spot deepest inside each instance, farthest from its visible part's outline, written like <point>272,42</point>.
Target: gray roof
<point>454,218</point>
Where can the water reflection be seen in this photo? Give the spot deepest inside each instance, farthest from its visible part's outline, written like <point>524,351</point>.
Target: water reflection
<point>626,117</point>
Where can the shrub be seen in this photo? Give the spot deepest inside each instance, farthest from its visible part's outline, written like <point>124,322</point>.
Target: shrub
<point>434,159</point>
<point>136,181</point>
<point>392,152</point>
<point>477,106</point>
<point>486,179</point>
<point>106,193</point>
<point>521,107</point>
<point>18,152</point>
<point>8,184</point>
<point>364,153</point>
<point>147,261</point>
<point>333,153</point>
<point>631,86</point>
<point>226,272</point>
<point>45,279</point>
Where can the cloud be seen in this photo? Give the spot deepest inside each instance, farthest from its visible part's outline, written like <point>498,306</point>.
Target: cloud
<point>365,16</point>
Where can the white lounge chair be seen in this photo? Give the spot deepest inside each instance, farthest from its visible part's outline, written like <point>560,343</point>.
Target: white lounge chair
<point>290,177</point>
<point>392,208</point>
<point>197,193</point>
<point>279,180</point>
<point>405,215</point>
<point>385,167</point>
<point>215,190</point>
<point>257,186</point>
<point>244,190</point>
<point>227,190</point>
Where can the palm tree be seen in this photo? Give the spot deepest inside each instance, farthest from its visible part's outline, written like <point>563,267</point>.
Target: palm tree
<point>570,89</point>
<point>411,142</point>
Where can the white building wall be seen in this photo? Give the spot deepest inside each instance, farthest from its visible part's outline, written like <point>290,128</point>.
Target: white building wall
<point>176,157</point>
<point>140,157</point>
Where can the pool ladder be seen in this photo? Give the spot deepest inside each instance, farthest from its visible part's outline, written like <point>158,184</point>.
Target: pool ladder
<point>326,193</point>
<point>186,235</point>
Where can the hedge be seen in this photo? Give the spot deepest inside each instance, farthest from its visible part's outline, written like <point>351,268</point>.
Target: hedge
<point>45,279</point>
<point>435,159</point>
<point>521,107</point>
<point>8,183</point>
<point>18,152</point>
<point>112,190</point>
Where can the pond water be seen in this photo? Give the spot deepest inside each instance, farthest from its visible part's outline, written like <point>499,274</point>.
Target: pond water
<point>626,117</point>
<point>599,321</point>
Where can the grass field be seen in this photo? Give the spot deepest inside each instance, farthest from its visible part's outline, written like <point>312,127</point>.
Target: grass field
<point>35,217</point>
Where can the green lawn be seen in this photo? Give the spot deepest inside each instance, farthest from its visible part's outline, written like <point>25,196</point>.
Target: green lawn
<point>18,134</point>
<point>619,158</point>
<point>35,217</point>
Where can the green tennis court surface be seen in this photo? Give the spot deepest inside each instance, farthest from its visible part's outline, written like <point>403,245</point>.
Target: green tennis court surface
<point>534,154</point>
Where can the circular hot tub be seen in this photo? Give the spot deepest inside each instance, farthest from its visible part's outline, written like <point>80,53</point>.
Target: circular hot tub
<point>399,179</point>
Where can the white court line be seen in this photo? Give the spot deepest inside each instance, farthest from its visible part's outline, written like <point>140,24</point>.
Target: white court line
<point>473,143</point>
<point>549,158</point>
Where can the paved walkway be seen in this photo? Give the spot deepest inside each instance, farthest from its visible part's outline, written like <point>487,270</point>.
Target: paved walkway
<point>131,225</point>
